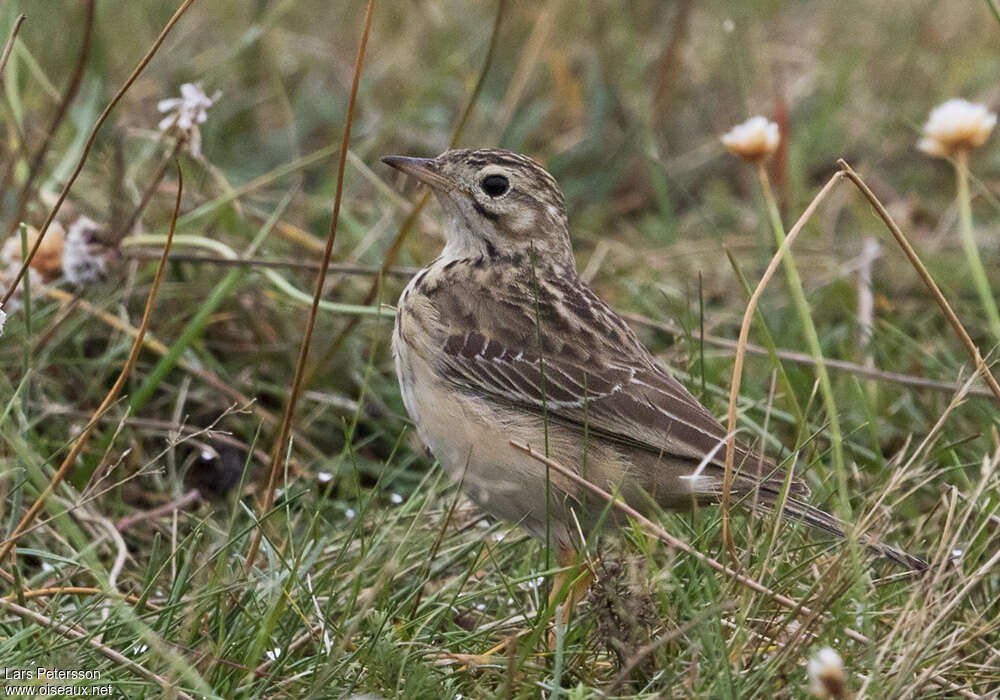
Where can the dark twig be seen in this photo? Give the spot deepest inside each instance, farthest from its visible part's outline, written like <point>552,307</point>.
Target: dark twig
<point>650,648</point>
<point>190,498</point>
<point>803,358</point>
<point>669,64</point>
<point>14,156</point>
<point>90,143</point>
<point>84,436</point>
<point>336,268</point>
<point>147,194</point>
<point>280,450</point>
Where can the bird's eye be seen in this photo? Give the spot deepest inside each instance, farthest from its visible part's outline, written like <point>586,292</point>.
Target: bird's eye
<point>494,185</point>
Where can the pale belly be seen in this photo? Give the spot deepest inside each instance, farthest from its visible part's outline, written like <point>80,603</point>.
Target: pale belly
<point>471,441</point>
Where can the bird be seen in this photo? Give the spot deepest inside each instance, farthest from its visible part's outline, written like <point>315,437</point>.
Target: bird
<point>500,341</point>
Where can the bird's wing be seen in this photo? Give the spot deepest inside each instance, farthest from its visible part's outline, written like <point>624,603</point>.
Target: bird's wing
<point>562,353</point>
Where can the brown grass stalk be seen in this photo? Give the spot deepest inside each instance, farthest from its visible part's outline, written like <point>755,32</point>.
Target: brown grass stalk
<point>279,452</point>
<point>192,497</point>
<point>925,275</point>
<point>136,72</point>
<point>10,43</point>
<point>112,395</point>
<point>748,314</point>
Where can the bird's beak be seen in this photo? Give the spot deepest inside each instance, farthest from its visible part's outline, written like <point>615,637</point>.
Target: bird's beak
<point>421,168</point>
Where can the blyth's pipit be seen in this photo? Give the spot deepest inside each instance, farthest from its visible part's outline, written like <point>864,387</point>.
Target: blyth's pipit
<point>499,339</point>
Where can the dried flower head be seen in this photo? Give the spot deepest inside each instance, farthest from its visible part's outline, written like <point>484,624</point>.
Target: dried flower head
<point>826,674</point>
<point>47,261</point>
<point>85,254</point>
<point>186,112</point>
<point>956,125</point>
<point>754,140</point>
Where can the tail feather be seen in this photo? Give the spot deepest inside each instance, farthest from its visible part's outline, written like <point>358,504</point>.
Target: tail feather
<point>821,520</point>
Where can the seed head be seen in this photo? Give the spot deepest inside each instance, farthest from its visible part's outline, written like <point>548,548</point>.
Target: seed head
<point>754,140</point>
<point>956,125</point>
<point>826,674</point>
<point>84,257</point>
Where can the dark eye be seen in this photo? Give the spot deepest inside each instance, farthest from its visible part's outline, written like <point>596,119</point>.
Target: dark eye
<point>494,185</point>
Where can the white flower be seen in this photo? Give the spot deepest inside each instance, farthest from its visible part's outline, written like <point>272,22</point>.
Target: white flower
<point>84,256</point>
<point>273,654</point>
<point>754,140</point>
<point>396,498</point>
<point>956,125</point>
<point>350,514</point>
<point>826,674</point>
<point>324,477</point>
<point>186,112</point>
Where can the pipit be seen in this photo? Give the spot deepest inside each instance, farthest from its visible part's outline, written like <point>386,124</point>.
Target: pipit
<point>500,340</point>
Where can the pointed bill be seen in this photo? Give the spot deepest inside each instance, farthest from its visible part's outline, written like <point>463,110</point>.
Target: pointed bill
<point>424,169</point>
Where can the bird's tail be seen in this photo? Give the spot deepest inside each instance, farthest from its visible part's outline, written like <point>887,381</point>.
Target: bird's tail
<point>821,520</point>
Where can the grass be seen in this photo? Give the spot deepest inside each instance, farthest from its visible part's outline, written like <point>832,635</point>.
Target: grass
<point>374,575</point>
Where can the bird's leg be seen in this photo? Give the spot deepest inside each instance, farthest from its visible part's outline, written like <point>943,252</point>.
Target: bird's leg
<point>566,558</point>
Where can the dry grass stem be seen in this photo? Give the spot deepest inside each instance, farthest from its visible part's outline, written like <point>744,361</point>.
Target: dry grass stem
<point>279,453</point>
<point>748,314</point>
<point>7,47</point>
<point>336,268</point>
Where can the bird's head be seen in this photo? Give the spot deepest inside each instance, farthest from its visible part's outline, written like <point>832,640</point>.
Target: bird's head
<point>497,203</point>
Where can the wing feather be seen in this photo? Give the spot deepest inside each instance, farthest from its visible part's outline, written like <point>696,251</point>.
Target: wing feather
<point>562,352</point>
